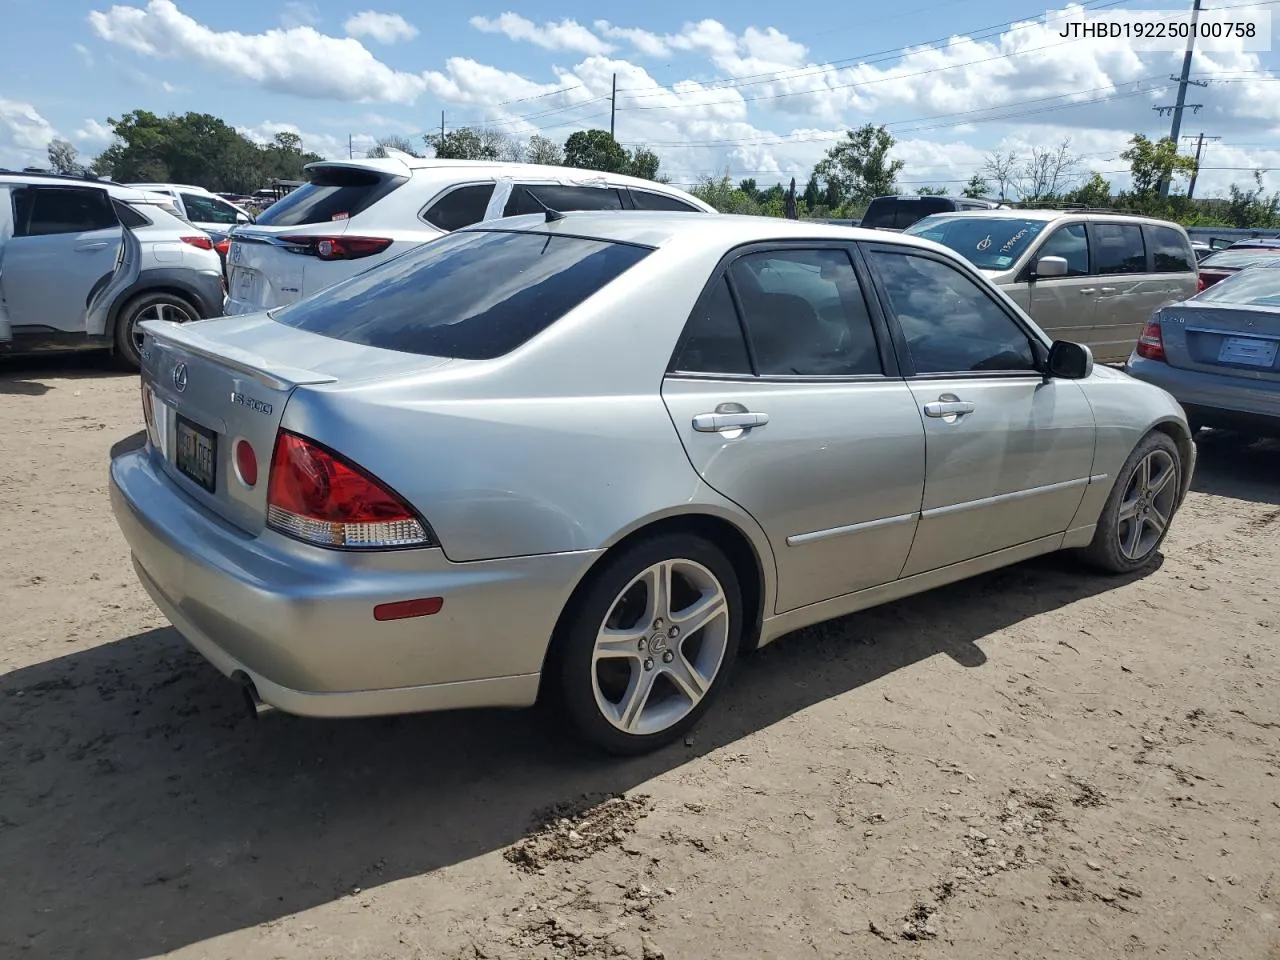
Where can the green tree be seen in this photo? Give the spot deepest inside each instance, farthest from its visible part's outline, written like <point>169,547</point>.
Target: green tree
<point>1251,208</point>
<point>721,193</point>
<point>540,149</point>
<point>473,143</point>
<point>1095,192</point>
<point>643,162</point>
<point>595,150</point>
<point>812,193</point>
<point>976,189</point>
<point>64,158</point>
<point>1152,161</point>
<point>932,192</point>
<point>197,148</point>
<point>750,188</point>
<point>858,167</point>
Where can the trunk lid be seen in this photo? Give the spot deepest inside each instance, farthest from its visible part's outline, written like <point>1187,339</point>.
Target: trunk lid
<point>265,270</point>
<point>208,385</point>
<point>1227,339</point>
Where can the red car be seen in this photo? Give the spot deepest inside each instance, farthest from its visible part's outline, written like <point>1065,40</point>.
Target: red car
<point>1224,263</point>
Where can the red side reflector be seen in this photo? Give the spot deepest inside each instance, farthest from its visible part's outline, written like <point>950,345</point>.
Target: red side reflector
<point>247,463</point>
<point>404,609</point>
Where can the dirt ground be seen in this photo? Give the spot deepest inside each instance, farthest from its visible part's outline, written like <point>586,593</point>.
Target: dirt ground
<point>1037,763</point>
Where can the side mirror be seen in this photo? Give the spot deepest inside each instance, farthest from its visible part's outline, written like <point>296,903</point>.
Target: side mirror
<point>1051,267</point>
<point>1069,361</point>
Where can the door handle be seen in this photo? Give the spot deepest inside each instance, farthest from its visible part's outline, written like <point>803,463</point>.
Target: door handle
<point>1108,290</point>
<point>90,247</point>
<point>720,422</point>
<point>949,410</point>
<point>1087,291</point>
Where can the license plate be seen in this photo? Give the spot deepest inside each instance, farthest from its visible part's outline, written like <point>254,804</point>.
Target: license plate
<point>1248,352</point>
<point>244,284</point>
<point>196,453</point>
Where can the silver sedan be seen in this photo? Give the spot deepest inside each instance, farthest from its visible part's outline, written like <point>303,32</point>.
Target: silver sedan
<point>596,456</point>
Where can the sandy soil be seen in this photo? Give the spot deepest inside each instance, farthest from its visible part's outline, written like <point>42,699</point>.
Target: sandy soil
<point>1037,763</point>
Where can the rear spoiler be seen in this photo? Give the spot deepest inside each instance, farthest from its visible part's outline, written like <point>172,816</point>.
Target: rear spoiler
<point>278,376</point>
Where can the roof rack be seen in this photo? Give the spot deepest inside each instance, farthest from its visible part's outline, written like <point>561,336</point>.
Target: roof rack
<point>1072,208</point>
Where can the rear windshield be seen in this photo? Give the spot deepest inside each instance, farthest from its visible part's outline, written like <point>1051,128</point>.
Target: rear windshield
<point>334,193</point>
<point>902,212</point>
<point>471,295</point>
<point>989,243</point>
<point>1257,286</point>
<point>1235,259</point>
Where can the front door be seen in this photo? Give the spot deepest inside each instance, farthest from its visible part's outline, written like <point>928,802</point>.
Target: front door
<point>65,240</point>
<point>1064,307</point>
<point>1008,455</point>
<point>786,398</point>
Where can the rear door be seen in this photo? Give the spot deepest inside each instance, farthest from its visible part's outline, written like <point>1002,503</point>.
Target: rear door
<point>1173,262</point>
<point>1008,454</point>
<point>784,393</point>
<point>6,232</point>
<point>65,243</point>
<point>1128,291</point>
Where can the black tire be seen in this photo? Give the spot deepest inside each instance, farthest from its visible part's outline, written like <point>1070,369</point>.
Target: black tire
<point>1126,539</point>
<point>177,307</point>
<point>577,681</point>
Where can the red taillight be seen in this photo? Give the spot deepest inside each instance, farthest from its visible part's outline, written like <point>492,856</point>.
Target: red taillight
<point>222,246</point>
<point>1151,343</point>
<point>318,496</point>
<point>339,248</point>
<point>1200,284</point>
<point>246,463</point>
<point>204,243</point>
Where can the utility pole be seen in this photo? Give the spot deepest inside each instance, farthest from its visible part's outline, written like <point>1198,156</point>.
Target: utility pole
<point>441,131</point>
<point>613,103</point>
<point>1191,187</point>
<point>351,150</point>
<point>1183,83</point>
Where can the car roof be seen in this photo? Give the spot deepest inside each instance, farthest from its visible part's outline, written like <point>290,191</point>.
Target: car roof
<point>1039,214</point>
<point>170,186</point>
<point>497,169</point>
<point>660,228</point>
<point>118,190</point>
<point>1265,242</point>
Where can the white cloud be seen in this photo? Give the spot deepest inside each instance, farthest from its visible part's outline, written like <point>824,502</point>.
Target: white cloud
<point>565,35</point>
<point>297,60</point>
<point>94,132</point>
<point>84,53</point>
<point>299,14</point>
<point>382,27</point>
<point>328,146</point>
<point>760,106</point>
<point>24,134</point>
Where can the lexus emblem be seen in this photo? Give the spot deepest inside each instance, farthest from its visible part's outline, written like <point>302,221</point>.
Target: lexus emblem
<point>180,377</point>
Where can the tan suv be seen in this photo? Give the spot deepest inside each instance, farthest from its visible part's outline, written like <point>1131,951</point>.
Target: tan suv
<point>1094,278</point>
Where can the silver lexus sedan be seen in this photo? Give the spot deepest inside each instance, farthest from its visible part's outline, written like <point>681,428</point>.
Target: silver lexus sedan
<point>595,456</point>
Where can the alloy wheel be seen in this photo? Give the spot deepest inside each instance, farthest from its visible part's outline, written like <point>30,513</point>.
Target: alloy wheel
<point>661,647</point>
<point>158,311</point>
<point>1147,504</point>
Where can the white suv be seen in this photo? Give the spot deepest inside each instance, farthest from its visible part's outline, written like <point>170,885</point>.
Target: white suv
<point>206,210</point>
<point>83,262</point>
<point>354,214</point>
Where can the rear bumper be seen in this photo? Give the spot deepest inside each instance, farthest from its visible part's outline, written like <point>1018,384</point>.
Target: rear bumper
<point>1211,398</point>
<point>298,621</point>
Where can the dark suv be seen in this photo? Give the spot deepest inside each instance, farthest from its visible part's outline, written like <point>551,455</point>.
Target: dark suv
<point>898,213</point>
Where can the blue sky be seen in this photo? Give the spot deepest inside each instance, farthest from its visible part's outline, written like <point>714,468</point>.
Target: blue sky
<point>747,86</point>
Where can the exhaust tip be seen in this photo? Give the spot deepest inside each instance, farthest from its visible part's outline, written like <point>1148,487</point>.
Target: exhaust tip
<point>256,705</point>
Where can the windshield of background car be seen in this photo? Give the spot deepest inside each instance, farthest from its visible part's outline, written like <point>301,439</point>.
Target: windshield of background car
<point>1259,286</point>
<point>471,295</point>
<point>989,243</point>
<point>333,193</point>
<point>1238,259</point>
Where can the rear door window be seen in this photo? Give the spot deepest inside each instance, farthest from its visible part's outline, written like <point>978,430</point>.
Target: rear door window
<point>334,193</point>
<point>460,207</point>
<point>560,197</point>
<point>429,301</point>
<point>43,211</point>
<point>202,209</point>
<point>1170,250</point>
<point>1119,248</point>
<point>901,212</point>
<point>648,200</point>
